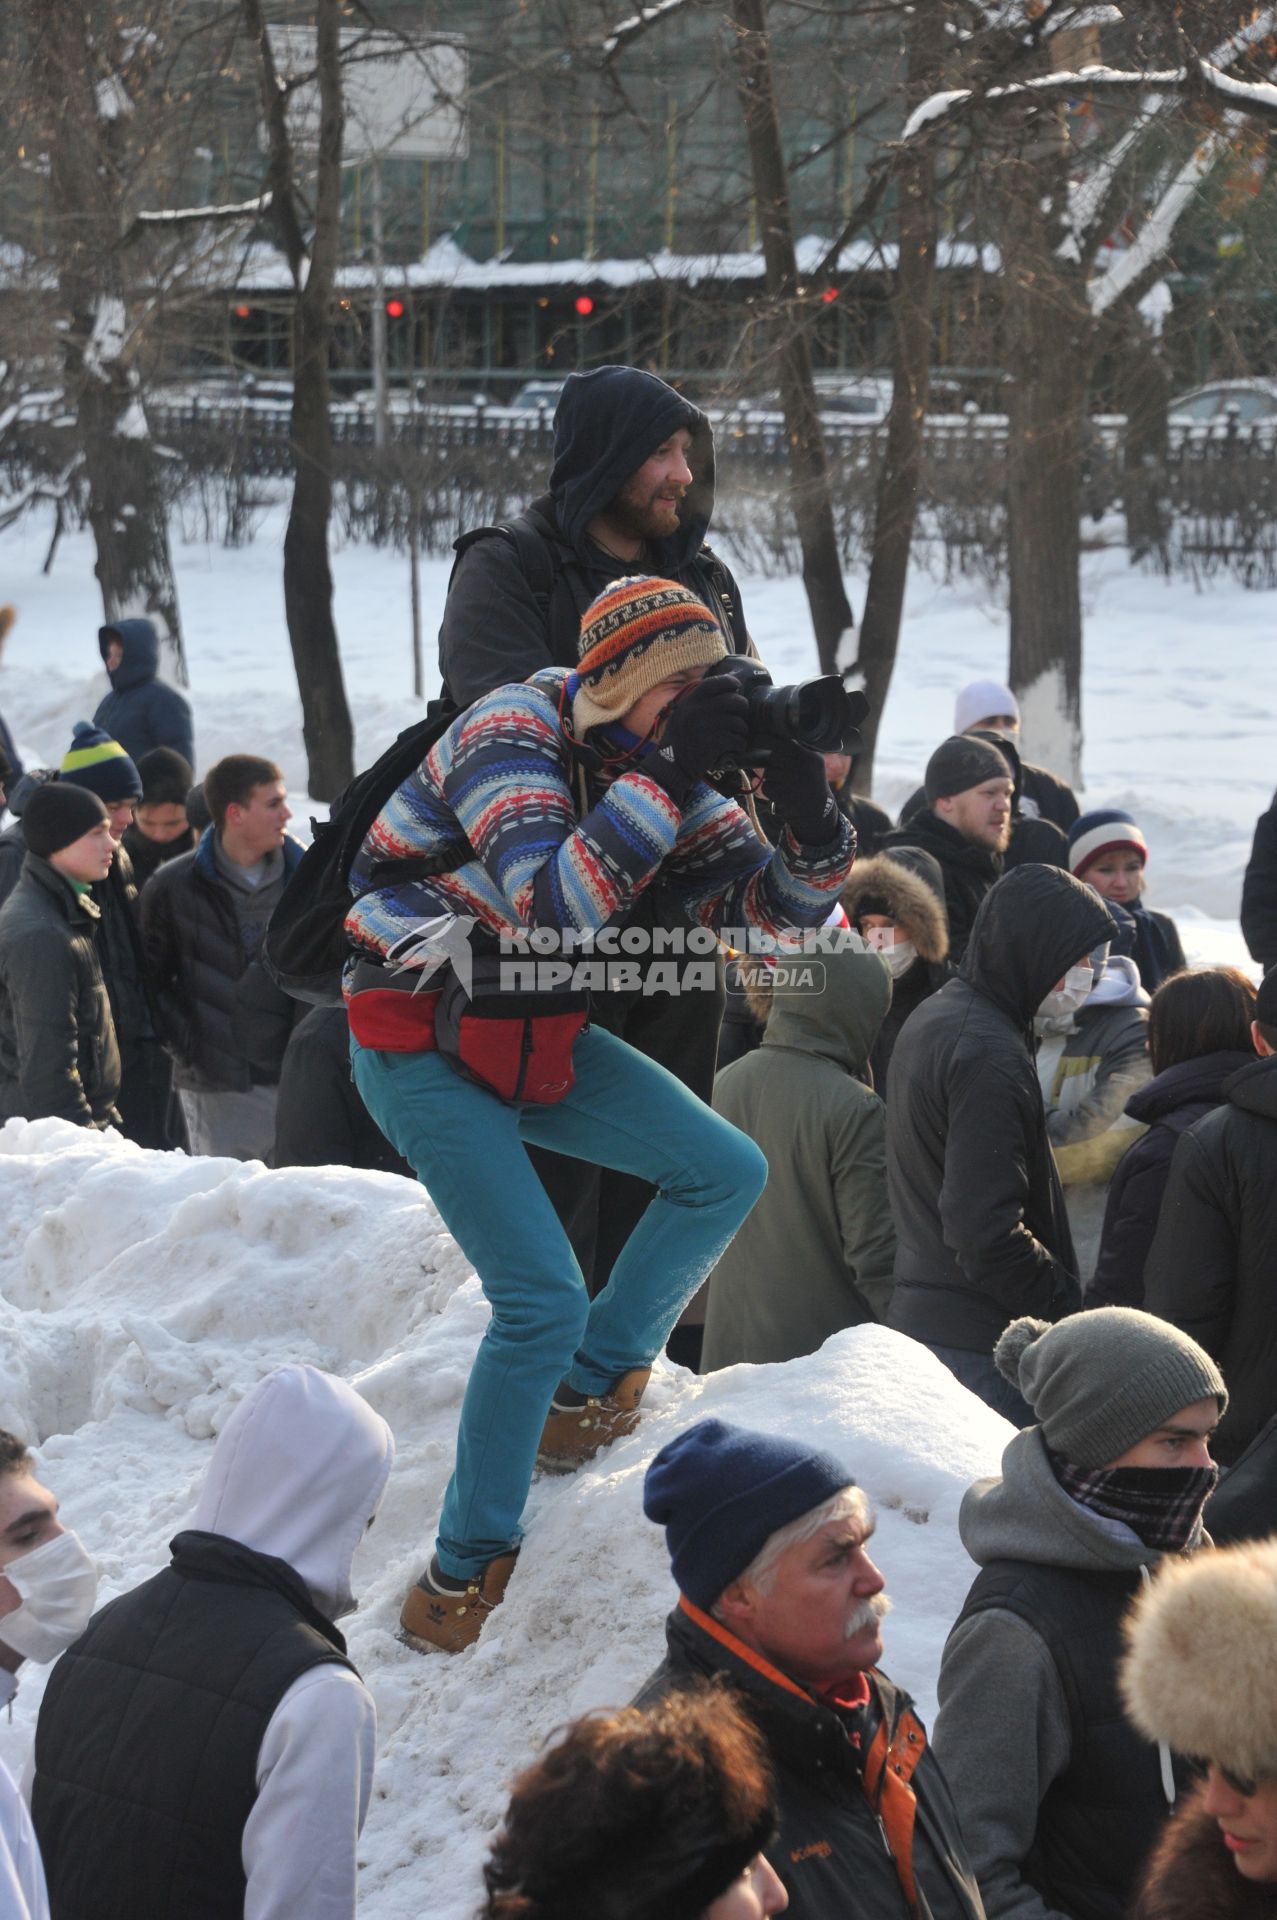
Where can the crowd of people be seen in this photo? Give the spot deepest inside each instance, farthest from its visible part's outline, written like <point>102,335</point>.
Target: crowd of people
<point>1001,1116</point>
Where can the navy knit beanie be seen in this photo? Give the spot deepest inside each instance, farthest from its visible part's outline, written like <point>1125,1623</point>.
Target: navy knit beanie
<point>721,1492</point>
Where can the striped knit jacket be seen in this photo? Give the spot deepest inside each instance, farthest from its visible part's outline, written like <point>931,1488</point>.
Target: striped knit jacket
<point>503,780</point>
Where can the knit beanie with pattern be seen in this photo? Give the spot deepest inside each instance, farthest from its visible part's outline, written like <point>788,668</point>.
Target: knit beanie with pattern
<point>1103,830</point>
<point>99,763</point>
<point>1101,1381</point>
<point>638,632</point>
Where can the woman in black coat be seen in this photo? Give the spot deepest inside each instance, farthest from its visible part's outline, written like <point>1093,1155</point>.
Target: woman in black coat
<point>1198,1034</point>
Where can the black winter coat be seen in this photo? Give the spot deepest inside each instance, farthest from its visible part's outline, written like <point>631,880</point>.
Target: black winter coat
<point>607,424</point>
<point>320,1121</point>
<point>223,1018</point>
<point>1212,1266</point>
<point>1259,891</point>
<point>981,1231</point>
<point>969,872</point>
<point>833,1852</point>
<point>58,1053</point>
<point>1168,1106</point>
<point>148,856</point>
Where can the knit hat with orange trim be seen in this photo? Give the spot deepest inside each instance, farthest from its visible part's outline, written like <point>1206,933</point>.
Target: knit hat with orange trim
<point>639,631</point>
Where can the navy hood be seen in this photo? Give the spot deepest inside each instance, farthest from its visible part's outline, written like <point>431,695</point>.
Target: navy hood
<point>141,660</point>
<point>1032,926</point>
<point>607,423</point>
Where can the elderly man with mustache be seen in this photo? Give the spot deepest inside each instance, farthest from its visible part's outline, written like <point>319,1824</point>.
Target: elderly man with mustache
<point>779,1600</point>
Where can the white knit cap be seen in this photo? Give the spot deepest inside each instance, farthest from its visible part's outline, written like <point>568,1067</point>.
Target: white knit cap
<point>980,700</point>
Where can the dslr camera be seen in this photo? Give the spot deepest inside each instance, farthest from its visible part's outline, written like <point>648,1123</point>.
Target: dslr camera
<point>820,714</point>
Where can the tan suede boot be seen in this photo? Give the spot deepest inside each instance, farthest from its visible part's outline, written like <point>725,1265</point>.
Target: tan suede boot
<point>453,1621</point>
<point>573,1435</point>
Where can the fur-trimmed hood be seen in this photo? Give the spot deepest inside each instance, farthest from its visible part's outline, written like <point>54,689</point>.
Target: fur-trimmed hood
<point>1191,1877</point>
<point>1201,1665</point>
<point>913,899</point>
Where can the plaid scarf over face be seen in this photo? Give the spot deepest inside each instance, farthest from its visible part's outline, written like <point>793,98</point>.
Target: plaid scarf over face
<point>1162,1505</point>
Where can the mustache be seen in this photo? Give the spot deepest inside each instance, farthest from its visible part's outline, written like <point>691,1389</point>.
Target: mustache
<point>867,1614</point>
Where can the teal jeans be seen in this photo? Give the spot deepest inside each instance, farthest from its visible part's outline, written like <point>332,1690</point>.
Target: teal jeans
<point>467,1148</point>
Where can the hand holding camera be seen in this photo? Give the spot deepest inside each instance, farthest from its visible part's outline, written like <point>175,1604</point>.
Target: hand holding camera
<point>707,725</point>
<point>795,783</point>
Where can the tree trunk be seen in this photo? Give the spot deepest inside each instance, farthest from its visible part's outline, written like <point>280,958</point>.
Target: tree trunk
<point>308,582</point>
<point>1144,392</point>
<point>1050,348</point>
<point>809,474</point>
<point>897,503</point>
<point>126,509</point>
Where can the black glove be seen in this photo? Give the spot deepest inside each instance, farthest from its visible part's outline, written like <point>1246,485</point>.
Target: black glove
<point>794,781</point>
<point>705,725</point>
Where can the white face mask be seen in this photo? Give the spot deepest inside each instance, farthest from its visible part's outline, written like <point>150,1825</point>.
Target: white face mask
<point>898,952</point>
<point>59,1587</point>
<point>1063,1002</point>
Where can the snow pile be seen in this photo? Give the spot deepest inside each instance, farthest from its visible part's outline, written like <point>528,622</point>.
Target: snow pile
<point>142,1294</point>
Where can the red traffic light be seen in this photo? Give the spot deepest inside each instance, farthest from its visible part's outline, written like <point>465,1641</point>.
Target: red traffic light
<point>830,293</point>
<point>583,304</point>
<point>242,313</point>
<point>396,309</point>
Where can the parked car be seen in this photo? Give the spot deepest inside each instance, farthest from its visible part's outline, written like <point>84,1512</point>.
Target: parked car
<point>1246,401</point>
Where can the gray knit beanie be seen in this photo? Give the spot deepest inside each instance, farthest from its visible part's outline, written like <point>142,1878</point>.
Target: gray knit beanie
<point>962,762</point>
<point>1101,1381</point>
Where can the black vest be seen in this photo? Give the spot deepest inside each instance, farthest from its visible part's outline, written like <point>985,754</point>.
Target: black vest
<point>146,1746</point>
<point>1099,1820</point>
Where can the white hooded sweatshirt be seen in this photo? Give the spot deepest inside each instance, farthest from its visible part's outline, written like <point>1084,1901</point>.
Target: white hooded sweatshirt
<point>23,1895</point>
<point>298,1472</point>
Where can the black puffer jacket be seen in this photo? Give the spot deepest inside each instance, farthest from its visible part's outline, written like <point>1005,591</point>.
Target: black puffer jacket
<point>970,872</point>
<point>846,1832</point>
<point>58,1054</point>
<point>223,1018</point>
<point>982,1234</point>
<point>608,422</point>
<point>1211,1266</point>
<point>1168,1106</point>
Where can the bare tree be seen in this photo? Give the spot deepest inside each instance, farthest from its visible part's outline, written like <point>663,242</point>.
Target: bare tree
<point>327,729</point>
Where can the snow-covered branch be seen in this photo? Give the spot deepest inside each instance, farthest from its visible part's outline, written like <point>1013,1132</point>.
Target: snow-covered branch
<point>1258,97</point>
<point>190,216</point>
<point>627,30</point>
<point>1153,240</point>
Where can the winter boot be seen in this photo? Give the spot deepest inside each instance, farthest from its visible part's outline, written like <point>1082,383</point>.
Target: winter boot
<point>449,1614</point>
<point>579,1426</point>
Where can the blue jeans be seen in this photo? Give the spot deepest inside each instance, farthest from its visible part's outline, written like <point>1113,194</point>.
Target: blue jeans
<point>467,1148</point>
<point>978,1372</point>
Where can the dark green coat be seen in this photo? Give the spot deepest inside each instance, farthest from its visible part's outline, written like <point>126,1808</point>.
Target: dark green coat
<point>816,1253</point>
<point>58,1056</point>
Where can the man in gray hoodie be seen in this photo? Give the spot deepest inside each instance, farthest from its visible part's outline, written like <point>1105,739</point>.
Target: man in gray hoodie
<point>1060,1799</point>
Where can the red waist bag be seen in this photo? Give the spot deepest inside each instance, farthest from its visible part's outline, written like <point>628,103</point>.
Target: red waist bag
<point>517,1045</point>
<point>392,1012</point>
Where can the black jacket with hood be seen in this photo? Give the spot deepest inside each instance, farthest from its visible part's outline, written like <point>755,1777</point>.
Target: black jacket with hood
<point>607,424</point>
<point>908,887</point>
<point>58,1052</point>
<point>1168,1106</point>
<point>981,1231</point>
<point>1210,1269</point>
<point>140,711</point>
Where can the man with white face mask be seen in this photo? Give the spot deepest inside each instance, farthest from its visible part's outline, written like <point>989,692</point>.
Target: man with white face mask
<point>981,1231</point>
<point>205,1751</point>
<point>48,1586</point>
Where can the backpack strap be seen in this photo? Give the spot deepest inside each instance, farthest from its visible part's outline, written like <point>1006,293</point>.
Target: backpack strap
<point>725,589</point>
<point>550,568</point>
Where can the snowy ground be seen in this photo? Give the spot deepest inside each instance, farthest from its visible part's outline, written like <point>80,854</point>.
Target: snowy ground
<point>141,1295</point>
